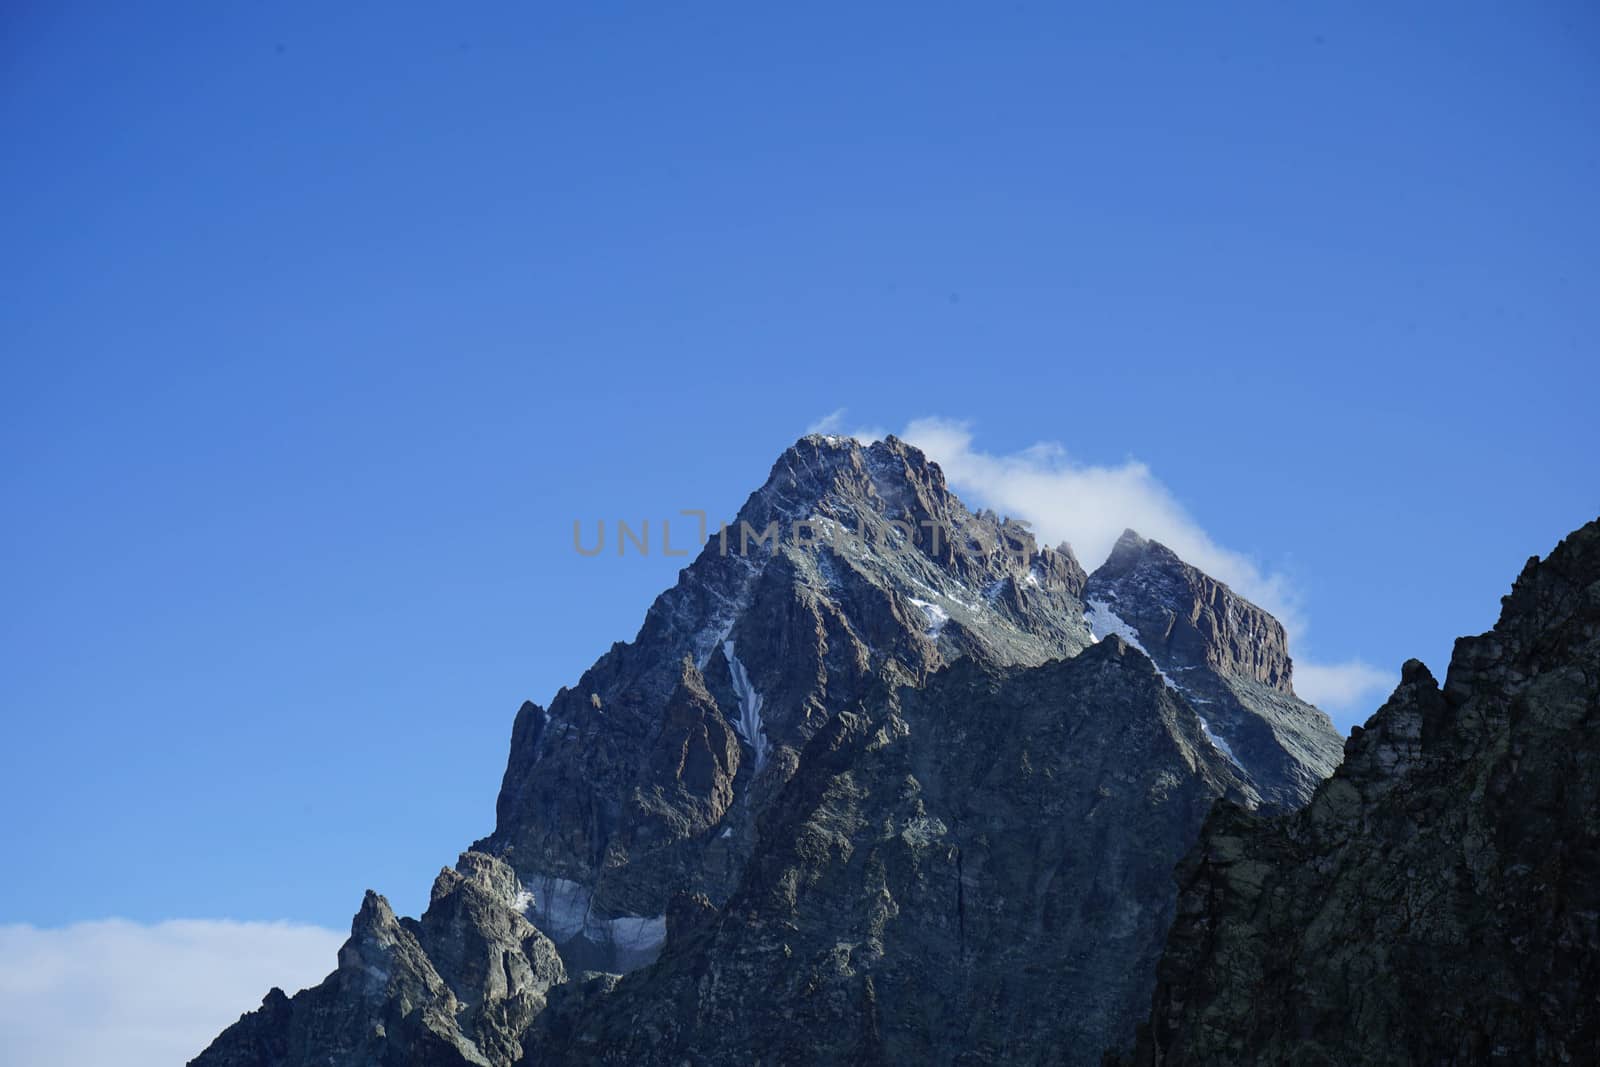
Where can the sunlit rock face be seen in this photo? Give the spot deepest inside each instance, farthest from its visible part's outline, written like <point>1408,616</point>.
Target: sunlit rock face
<point>767,641</point>
<point>880,779</point>
<point>1228,657</point>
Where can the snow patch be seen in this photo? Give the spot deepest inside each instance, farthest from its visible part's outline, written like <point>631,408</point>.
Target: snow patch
<point>564,910</point>
<point>713,629</point>
<point>558,906</point>
<point>719,626</point>
<point>748,724</point>
<point>638,933</point>
<point>1216,742</point>
<point>1103,622</point>
<point>935,615</point>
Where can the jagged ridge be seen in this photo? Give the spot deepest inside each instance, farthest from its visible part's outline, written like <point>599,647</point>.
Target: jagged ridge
<point>729,775</point>
<point>1228,656</point>
<point>1438,900</point>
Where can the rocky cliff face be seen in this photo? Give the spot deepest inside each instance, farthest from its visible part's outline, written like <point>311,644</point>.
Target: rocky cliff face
<point>1229,658</point>
<point>457,988</point>
<point>627,788</point>
<point>876,786</point>
<point>977,872</point>
<point>1438,900</point>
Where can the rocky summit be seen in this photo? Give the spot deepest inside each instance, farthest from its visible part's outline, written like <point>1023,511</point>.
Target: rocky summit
<point>1438,900</point>
<point>886,782</point>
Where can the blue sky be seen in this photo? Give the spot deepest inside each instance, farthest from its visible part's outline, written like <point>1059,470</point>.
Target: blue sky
<point>323,324</point>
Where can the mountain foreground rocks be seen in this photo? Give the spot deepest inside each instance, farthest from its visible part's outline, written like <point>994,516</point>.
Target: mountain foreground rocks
<point>1438,900</point>
<point>895,785</point>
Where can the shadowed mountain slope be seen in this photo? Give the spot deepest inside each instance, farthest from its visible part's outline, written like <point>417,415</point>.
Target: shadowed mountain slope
<point>1438,900</point>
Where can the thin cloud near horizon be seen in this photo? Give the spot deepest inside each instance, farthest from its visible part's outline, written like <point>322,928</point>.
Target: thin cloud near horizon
<point>1088,506</point>
<point>161,992</point>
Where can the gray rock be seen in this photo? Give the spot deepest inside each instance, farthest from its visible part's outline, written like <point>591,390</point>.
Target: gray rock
<point>458,988</point>
<point>598,805</point>
<point>1438,900</point>
<point>880,799</point>
<point>1229,657</point>
<point>973,872</point>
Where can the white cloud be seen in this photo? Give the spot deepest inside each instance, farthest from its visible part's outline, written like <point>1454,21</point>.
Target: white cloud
<point>1348,686</point>
<point>145,995</point>
<point>1089,506</point>
<point>833,425</point>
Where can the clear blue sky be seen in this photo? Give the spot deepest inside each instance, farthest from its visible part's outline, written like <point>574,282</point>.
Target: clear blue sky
<point>321,324</point>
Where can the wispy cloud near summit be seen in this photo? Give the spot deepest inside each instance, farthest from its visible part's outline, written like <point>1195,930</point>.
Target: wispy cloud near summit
<point>1090,505</point>
<point>833,424</point>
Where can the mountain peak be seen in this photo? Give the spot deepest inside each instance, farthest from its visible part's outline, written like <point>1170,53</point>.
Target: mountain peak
<point>1192,616</point>
<point>1132,550</point>
<point>1130,541</point>
<point>851,571</point>
<point>1225,653</point>
<point>860,665</point>
<point>820,467</point>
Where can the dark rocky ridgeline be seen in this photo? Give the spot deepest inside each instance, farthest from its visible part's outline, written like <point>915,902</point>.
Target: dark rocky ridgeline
<point>873,784</point>
<point>1438,900</point>
<point>460,987</point>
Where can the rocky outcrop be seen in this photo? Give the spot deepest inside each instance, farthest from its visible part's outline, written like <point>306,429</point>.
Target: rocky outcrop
<point>1186,617</point>
<point>458,988</point>
<point>1228,656</point>
<point>1438,900</point>
<point>691,769</point>
<point>875,787</point>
